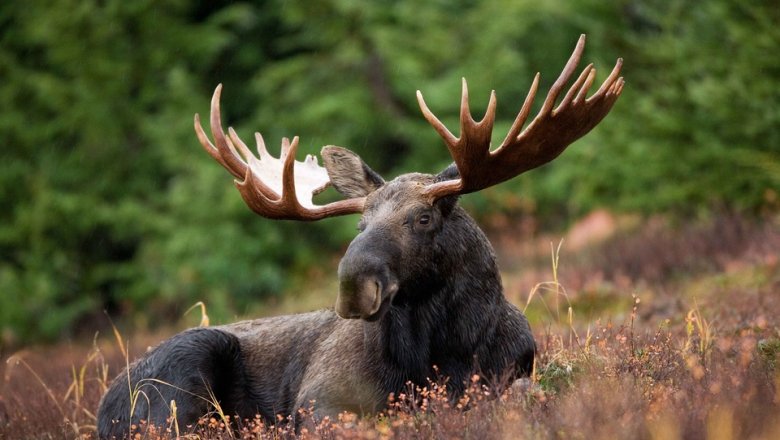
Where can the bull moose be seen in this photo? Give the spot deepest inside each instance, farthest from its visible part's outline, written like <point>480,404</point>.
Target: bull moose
<point>420,294</point>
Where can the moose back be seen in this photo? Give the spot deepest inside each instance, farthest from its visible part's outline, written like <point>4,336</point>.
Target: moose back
<point>420,294</point>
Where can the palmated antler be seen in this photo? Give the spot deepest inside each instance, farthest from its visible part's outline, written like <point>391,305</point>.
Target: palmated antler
<point>543,139</point>
<point>275,188</point>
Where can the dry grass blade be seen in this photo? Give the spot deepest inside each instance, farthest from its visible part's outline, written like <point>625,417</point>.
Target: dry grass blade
<point>16,360</point>
<point>204,317</point>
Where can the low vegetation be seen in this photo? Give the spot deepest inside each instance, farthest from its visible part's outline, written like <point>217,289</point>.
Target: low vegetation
<point>689,352</point>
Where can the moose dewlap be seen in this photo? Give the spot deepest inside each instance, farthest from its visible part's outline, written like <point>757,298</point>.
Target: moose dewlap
<point>419,286</point>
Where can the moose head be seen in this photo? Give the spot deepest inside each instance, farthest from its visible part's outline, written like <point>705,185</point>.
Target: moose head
<point>401,218</point>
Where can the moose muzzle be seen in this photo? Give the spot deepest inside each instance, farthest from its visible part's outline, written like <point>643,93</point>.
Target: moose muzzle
<point>367,284</point>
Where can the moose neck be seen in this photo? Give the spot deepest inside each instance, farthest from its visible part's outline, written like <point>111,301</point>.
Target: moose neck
<point>440,318</point>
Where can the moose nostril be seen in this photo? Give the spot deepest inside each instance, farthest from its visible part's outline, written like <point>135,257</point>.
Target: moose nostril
<point>377,295</point>
<point>359,296</point>
<point>371,296</point>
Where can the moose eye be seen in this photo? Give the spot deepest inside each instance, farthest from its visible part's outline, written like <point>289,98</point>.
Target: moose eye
<point>424,219</point>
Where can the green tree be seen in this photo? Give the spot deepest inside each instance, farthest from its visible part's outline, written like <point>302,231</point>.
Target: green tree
<point>92,97</point>
<point>108,204</point>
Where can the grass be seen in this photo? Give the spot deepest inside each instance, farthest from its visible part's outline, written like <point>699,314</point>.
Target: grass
<point>687,347</point>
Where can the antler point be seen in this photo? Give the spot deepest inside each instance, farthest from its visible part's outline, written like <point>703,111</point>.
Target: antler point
<point>465,111</point>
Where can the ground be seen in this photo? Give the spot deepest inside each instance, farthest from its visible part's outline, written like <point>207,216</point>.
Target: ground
<point>647,328</point>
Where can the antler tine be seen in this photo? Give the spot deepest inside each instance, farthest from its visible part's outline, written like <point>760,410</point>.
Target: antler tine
<point>267,184</point>
<point>465,112</point>
<point>237,142</point>
<point>448,137</point>
<point>582,83</point>
<point>288,172</point>
<point>586,86</point>
<point>564,77</point>
<point>262,151</point>
<point>285,151</point>
<point>611,79</point>
<point>213,151</point>
<point>619,88</point>
<point>236,166</point>
<point>207,145</point>
<point>474,141</point>
<point>525,110</point>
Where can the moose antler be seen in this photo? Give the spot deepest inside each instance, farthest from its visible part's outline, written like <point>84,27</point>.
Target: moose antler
<point>543,139</point>
<point>268,185</point>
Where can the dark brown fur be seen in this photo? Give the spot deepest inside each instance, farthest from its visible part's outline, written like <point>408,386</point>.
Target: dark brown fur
<point>421,276</point>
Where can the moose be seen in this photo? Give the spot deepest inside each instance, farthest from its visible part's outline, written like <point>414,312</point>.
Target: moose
<point>420,295</point>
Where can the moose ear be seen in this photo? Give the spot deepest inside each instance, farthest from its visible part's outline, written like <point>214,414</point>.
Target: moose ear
<point>449,173</point>
<point>447,204</point>
<point>348,173</point>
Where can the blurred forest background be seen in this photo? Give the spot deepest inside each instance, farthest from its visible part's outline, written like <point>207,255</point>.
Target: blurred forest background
<point>108,203</point>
